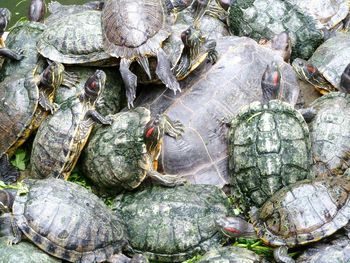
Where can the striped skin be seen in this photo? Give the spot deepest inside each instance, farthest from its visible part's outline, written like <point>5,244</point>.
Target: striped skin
<point>68,222</point>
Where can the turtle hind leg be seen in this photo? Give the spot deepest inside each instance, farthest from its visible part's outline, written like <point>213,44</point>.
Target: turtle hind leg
<point>164,72</point>
<point>130,81</point>
<point>11,54</point>
<point>8,173</point>
<point>281,255</point>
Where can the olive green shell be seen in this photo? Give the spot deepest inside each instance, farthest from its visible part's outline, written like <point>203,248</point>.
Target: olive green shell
<point>60,139</point>
<point>19,99</point>
<point>261,19</point>
<point>332,57</point>
<point>75,39</point>
<point>229,254</point>
<point>23,36</point>
<point>173,224</point>
<point>68,222</point>
<point>304,212</point>
<point>23,252</point>
<point>330,134</point>
<point>121,149</point>
<point>269,148</point>
<point>133,28</point>
<point>210,95</point>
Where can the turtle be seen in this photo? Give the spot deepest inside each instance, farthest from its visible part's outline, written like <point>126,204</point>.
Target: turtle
<point>25,102</point>
<point>129,150</point>
<point>229,254</point>
<point>64,219</point>
<point>323,70</point>
<point>269,145</point>
<point>5,16</point>
<point>23,252</point>
<point>296,215</point>
<point>330,131</point>
<point>212,95</point>
<point>260,19</point>
<point>61,137</point>
<point>173,224</point>
<point>37,10</point>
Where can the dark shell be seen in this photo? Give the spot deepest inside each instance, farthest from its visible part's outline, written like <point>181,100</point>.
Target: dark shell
<point>210,95</point>
<point>269,148</point>
<point>304,212</point>
<point>68,222</point>
<point>229,254</point>
<point>173,224</point>
<point>330,134</point>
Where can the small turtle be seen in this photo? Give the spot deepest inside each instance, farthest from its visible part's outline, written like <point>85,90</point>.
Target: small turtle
<point>211,95</point>
<point>5,16</point>
<point>24,103</point>
<point>36,10</point>
<point>323,70</point>
<point>61,137</point>
<point>298,214</point>
<point>129,150</point>
<point>173,224</point>
<point>63,219</point>
<point>269,145</point>
<point>229,254</point>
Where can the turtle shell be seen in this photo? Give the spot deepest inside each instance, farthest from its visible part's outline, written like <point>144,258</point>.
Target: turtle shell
<point>304,212</point>
<point>173,224</point>
<point>210,95</point>
<point>75,39</point>
<point>229,254</point>
<point>269,148</point>
<point>68,222</point>
<point>332,57</point>
<point>18,105</point>
<point>330,134</point>
<point>23,252</point>
<point>261,19</point>
<point>121,149</point>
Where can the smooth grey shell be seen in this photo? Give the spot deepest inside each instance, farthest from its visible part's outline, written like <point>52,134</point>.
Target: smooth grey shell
<point>173,224</point>
<point>269,148</point>
<point>210,95</point>
<point>229,254</point>
<point>68,222</point>
<point>330,134</point>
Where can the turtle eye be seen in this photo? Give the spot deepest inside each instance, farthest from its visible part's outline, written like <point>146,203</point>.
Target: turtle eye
<point>93,85</point>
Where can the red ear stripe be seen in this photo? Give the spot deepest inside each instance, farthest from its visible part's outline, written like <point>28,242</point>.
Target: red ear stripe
<point>276,79</point>
<point>311,69</point>
<point>232,230</point>
<point>149,132</point>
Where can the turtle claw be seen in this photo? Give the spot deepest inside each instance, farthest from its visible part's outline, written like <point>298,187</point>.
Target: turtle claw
<point>174,129</point>
<point>169,180</point>
<point>19,54</point>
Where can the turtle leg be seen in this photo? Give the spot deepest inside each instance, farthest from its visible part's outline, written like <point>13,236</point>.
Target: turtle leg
<point>130,81</point>
<point>199,9</point>
<point>211,49</point>
<point>97,117</point>
<point>45,102</point>
<point>8,173</point>
<point>164,72</point>
<point>166,179</point>
<point>12,54</point>
<point>173,128</point>
<point>70,80</point>
<point>281,255</point>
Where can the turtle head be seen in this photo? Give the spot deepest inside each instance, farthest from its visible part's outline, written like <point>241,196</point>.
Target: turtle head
<point>192,39</point>
<point>304,69</point>
<point>345,80</point>
<point>235,227</point>
<point>94,86</point>
<point>283,45</point>
<point>52,76</point>
<point>271,83</point>
<point>7,197</point>
<point>153,134</point>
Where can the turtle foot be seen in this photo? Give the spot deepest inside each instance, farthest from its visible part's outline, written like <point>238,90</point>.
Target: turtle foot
<point>167,179</point>
<point>281,255</point>
<point>8,173</point>
<point>130,81</point>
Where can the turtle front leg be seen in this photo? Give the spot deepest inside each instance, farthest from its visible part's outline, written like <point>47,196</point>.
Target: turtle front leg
<point>12,54</point>
<point>46,104</point>
<point>166,179</point>
<point>173,128</point>
<point>98,118</point>
<point>210,46</point>
<point>281,255</point>
<point>70,80</point>
<point>9,229</point>
<point>130,81</point>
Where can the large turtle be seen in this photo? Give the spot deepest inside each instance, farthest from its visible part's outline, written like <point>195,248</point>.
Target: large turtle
<point>173,224</point>
<point>212,94</point>
<point>323,70</point>
<point>260,19</point>
<point>269,145</point>
<point>63,219</point>
<point>129,150</point>
<point>61,137</point>
<point>298,214</point>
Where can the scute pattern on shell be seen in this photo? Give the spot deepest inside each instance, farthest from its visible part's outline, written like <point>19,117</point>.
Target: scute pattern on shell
<point>304,213</point>
<point>173,224</point>
<point>68,221</point>
<point>229,254</point>
<point>269,148</point>
<point>330,134</point>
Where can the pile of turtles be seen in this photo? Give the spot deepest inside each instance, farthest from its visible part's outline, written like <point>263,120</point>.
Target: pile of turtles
<point>195,121</point>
